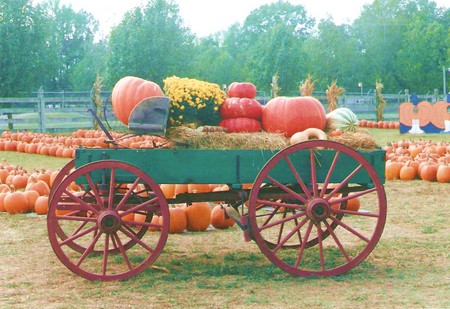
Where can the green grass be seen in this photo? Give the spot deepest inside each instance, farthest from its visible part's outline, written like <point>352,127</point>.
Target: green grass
<point>385,136</point>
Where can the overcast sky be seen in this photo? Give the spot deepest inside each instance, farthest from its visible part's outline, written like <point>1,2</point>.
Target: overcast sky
<point>205,17</point>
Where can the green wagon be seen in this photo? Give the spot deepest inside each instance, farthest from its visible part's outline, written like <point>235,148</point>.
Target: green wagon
<point>102,205</point>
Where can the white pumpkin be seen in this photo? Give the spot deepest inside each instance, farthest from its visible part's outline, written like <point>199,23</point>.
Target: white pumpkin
<point>342,118</point>
<point>310,133</point>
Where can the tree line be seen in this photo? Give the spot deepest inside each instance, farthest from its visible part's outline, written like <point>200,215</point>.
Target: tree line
<point>402,43</point>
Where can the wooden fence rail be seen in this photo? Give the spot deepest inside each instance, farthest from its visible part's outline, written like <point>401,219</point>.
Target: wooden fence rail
<point>49,111</point>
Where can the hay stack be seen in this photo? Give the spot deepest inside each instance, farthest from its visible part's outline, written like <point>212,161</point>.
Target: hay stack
<point>214,138</point>
<point>359,140</point>
<point>210,139</point>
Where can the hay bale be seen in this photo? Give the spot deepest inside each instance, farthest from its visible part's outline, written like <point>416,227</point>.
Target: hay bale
<point>216,138</point>
<point>359,140</point>
<point>211,139</point>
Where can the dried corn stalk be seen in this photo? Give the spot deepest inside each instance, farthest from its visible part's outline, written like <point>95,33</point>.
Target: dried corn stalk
<point>274,86</point>
<point>98,101</point>
<point>333,92</point>
<point>307,86</point>
<point>381,103</point>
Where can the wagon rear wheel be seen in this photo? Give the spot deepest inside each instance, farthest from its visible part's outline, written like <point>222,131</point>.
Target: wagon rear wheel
<point>99,218</point>
<point>306,229</point>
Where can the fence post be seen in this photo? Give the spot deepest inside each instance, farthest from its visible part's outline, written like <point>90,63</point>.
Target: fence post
<point>41,110</point>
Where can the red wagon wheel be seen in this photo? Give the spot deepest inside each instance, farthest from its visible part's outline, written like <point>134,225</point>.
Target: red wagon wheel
<point>309,231</point>
<point>99,218</point>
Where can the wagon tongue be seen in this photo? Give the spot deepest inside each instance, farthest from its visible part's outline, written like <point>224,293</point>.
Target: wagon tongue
<point>150,116</point>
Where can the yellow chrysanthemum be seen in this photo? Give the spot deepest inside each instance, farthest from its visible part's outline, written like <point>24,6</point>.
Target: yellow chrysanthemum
<point>193,101</point>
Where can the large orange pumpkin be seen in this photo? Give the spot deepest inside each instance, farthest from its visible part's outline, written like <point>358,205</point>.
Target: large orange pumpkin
<point>198,216</point>
<point>16,203</point>
<point>288,115</point>
<point>178,220</point>
<point>128,92</point>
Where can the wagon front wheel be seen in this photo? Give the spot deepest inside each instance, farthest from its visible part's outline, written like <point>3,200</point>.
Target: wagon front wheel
<point>308,224</point>
<point>99,220</point>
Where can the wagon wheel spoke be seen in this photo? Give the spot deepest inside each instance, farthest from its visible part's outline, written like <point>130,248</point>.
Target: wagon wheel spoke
<point>336,239</point>
<point>312,163</point>
<point>105,255</point>
<point>298,178</point>
<point>78,201</point>
<point>303,245</point>
<point>351,230</point>
<point>294,231</point>
<point>94,191</point>
<point>137,240</point>
<point>77,235</point>
<point>88,250</point>
<point>330,172</point>
<point>268,225</point>
<point>122,251</point>
<point>127,194</point>
<point>141,206</point>
<point>319,236</point>
<point>345,181</point>
<point>320,243</point>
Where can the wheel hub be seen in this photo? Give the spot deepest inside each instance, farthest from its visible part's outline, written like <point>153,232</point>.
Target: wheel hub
<point>109,222</point>
<point>318,209</point>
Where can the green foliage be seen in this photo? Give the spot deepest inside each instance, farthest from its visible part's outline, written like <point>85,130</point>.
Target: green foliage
<point>151,43</point>
<point>22,30</point>
<point>403,42</point>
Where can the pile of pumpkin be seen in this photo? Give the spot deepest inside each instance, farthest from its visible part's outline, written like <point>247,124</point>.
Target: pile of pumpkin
<point>23,192</point>
<point>193,217</point>
<point>426,160</point>
<point>382,124</point>
<point>64,146</point>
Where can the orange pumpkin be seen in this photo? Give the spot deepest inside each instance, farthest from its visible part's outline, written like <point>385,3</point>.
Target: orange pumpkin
<point>353,204</point>
<point>180,188</point>
<point>288,115</point>
<point>41,205</point>
<point>31,196</point>
<point>429,171</point>
<point>407,172</point>
<point>219,219</point>
<point>198,188</point>
<point>443,173</point>
<point>168,190</point>
<point>39,186</point>
<point>198,216</point>
<point>128,92</point>
<point>155,220</point>
<point>2,201</point>
<point>16,203</point>
<point>178,220</point>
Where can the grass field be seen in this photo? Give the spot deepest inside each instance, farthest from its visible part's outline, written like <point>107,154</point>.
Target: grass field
<point>409,268</point>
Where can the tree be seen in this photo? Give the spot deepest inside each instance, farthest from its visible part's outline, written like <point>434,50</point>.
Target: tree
<point>271,39</point>
<point>23,47</point>
<point>151,43</point>
<point>70,38</point>
<point>332,54</point>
